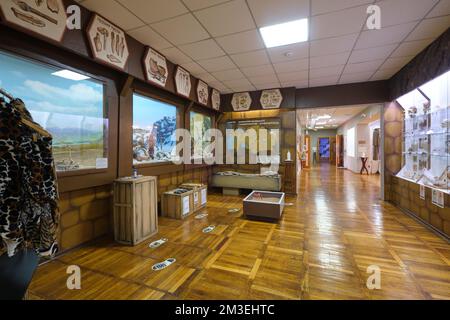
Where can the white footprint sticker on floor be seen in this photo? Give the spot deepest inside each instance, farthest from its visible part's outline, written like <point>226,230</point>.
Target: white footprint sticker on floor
<point>235,210</point>
<point>209,229</point>
<point>162,265</point>
<point>158,243</point>
<point>201,216</point>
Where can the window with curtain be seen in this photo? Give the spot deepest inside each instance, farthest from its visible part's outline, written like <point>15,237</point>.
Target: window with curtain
<point>67,104</point>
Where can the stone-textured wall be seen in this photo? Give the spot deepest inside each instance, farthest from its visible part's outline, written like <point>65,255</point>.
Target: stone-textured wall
<point>406,195</point>
<point>87,214</point>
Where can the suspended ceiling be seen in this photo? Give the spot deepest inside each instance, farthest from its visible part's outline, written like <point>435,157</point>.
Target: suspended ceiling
<point>218,40</point>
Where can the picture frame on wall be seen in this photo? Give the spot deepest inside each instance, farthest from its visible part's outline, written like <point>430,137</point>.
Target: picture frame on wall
<point>45,20</point>
<point>241,101</point>
<point>155,67</point>
<point>202,93</point>
<point>108,42</point>
<point>183,82</point>
<point>215,99</point>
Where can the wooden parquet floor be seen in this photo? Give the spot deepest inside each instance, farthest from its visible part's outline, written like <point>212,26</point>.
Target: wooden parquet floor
<point>321,249</point>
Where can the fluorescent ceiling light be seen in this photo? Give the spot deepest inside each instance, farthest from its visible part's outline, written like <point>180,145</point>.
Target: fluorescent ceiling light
<point>67,74</point>
<point>325,116</point>
<point>319,127</point>
<point>285,33</point>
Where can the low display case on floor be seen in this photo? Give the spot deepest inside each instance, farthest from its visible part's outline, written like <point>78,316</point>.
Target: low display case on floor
<point>263,204</point>
<point>177,203</point>
<point>135,209</point>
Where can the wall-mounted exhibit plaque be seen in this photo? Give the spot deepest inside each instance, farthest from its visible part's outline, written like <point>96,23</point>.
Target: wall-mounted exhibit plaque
<point>183,82</point>
<point>155,66</point>
<point>45,19</point>
<point>215,99</point>
<point>108,42</point>
<point>241,101</point>
<point>202,93</point>
<point>271,99</point>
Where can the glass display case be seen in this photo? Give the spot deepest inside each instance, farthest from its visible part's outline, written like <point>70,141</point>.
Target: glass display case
<point>426,145</point>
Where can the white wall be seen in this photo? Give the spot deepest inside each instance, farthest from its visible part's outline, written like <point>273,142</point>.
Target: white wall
<point>362,134</point>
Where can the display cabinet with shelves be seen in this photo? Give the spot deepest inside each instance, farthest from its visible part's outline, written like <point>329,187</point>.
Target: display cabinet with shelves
<point>426,136</point>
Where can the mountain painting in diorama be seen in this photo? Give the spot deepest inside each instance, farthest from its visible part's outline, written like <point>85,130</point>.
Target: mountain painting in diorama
<point>69,136</point>
<point>154,142</point>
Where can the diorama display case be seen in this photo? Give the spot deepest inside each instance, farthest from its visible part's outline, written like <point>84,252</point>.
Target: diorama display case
<point>264,204</point>
<point>426,134</point>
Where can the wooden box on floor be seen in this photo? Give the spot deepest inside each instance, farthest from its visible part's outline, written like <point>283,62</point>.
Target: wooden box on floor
<point>135,209</point>
<point>177,206</point>
<point>200,194</point>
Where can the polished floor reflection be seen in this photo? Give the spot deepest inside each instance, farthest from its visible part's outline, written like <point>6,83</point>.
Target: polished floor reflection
<point>336,228</point>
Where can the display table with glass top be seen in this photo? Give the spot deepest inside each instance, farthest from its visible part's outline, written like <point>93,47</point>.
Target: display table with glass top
<point>264,204</point>
<point>426,144</point>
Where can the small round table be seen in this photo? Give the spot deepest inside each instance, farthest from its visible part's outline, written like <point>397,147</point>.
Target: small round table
<point>364,165</point>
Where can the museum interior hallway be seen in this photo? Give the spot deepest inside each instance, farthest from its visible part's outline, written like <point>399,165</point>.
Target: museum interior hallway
<point>320,249</point>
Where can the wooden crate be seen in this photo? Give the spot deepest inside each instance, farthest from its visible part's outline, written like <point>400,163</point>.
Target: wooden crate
<point>135,209</point>
<point>177,206</point>
<point>200,194</point>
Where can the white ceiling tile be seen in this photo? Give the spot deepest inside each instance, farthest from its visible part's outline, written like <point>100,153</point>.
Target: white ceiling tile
<point>325,72</point>
<point>157,10</point>
<point>227,91</point>
<point>249,59</point>
<point>288,53</point>
<point>207,77</point>
<point>411,48</point>
<point>255,71</point>
<point>182,29</point>
<point>355,77</point>
<point>384,74</point>
<point>430,28</point>
<point>370,54</point>
<point>324,6</point>
<point>338,23</point>
<point>149,37</point>
<point>293,76</point>
<point>363,66</point>
<point>227,75</point>
<point>263,79</point>
<point>226,18</point>
<point>200,4</point>
<point>218,85</point>
<point>269,12</point>
<point>329,61</point>
<point>175,55</point>
<point>441,9</point>
<point>115,13</point>
<point>201,50</point>
<point>271,85</point>
<point>396,63</point>
<point>395,12</point>
<point>217,64</point>
<point>296,84</point>
<point>241,42</point>
<point>326,81</point>
<point>333,45</point>
<point>193,68</point>
<point>239,85</point>
<point>291,66</point>
<point>384,36</point>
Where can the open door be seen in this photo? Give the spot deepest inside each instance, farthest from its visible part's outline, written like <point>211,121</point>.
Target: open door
<point>333,150</point>
<point>340,151</point>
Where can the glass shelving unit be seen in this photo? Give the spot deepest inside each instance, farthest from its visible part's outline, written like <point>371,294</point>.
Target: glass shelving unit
<point>426,145</point>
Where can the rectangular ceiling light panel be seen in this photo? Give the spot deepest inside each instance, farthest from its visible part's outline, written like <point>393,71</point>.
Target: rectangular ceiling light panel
<point>285,33</point>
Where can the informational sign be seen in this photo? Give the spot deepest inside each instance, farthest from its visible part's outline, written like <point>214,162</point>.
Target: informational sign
<point>186,205</point>
<point>437,198</point>
<point>195,197</point>
<point>271,99</point>
<point>183,82</point>
<point>45,19</point>
<point>108,42</point>
<point>155,65</point>
<point>101,163</point>
<point>204,196</point>
<point>241,101</point>
<point>215,99</point>
<point>202,93</point>
<point>422,192</point>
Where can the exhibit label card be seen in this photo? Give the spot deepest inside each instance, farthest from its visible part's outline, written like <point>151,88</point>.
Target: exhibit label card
<point>422,192</point>
<point>203,196</point>
<point>101,163</point>
<point>186,206</point>
<point>437,198</point>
